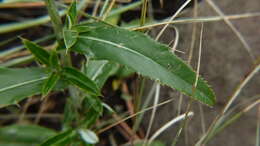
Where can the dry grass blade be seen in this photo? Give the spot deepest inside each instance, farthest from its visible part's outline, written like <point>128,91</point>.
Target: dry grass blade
<point>199,59</point>
<point>198,70</point>
<point>238,34</point>
<point>129,117</point>
<point>226,121</point>
<point>108,9</point>
<point>221,121</point>
<point>144,105</point>
<point>240,87</point>
<point>231,100</point>
<point>169,124</point>
<point>198,20</point>
<point>143,13</point>
<point>176,40</point>
<point>95,9</point>
<point>193,90</point>
<point>257,143</point>
<point>126,128</point>
<point>172,18</point>
<point>156,100</point>
<point>193,40</point>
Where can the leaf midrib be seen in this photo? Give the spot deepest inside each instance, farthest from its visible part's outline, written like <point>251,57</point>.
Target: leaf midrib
<point>23,83</point>
<point>130,50</point>
<point>98,72</point>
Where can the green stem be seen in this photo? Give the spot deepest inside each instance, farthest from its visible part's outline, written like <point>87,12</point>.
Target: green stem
<point>144,11</point>
<point>56,19</point>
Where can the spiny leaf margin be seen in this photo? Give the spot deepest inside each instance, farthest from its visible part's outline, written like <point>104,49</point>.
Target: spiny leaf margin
<point>144,55</point>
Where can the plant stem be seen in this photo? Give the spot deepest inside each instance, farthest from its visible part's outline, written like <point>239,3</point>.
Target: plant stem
<point>143,13</point>
<point>56,20</point>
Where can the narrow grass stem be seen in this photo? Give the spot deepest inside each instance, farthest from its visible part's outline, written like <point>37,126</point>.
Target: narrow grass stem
<point>168,124</point>
<point>240,87</point>
<point>156,100</point>
<point>257,143</point>
<point>195,20</point>
<point>144,12</point>
<point>110,6</point>
<point>172,18</point>
<point>131,116</point>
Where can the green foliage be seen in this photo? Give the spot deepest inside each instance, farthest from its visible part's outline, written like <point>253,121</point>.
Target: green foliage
<point>92,109</point>
<point>146,56</point>
<point>72,15</point>
<point>79,79</point>
<point>108,50</point>
<point>39,53</point>
<point>70,37</point>
<point>60,139</point>
<point>54,60</point>
<point>100,70</point>
<point>19,83</point>
<point>24,135</point>
<point>50,83</point>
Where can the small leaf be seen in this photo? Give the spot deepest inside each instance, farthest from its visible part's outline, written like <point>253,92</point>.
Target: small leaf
<point>88,136</point>
<point>92,109</point>
<point>60,139</point>
<point>50,83</point>
<point>40,54</point>
<point>100,70</point>
<point>70,38</point>
<point>144,55</point>
<point>82,81</point>
<point>70,35</point>
<point>24,134</point>
<point>72,13</point>
<point>17,84</point>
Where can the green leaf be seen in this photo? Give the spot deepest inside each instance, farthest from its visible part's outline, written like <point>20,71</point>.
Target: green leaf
<point>70,113</point>
<point>54,60</point>
<point>124,71</point>
<point>88,136</point>
<point>145,56</point>
<point>82,81</point>
<point>72,13</point>
<point>70,37</point>
<point>92,108</point>
<point>17,84</point>
<point>40,54</point>
<point>24,134</point>
<point>50,83</point>
<point>100,70</point>
<point>93,103</point>
<point>60,139</point>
